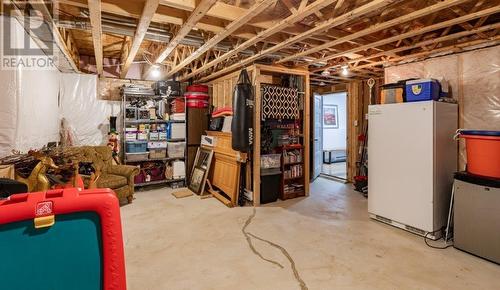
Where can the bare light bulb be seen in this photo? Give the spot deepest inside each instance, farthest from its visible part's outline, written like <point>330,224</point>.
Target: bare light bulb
<point>155,72</point>
<point>345,72</point>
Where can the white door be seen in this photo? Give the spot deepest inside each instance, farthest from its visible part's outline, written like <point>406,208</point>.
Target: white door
<point>318,135</point>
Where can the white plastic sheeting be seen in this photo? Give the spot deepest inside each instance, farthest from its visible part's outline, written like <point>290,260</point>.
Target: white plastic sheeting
<point>86,115</point>
<point>38,118</point>
<point>474,81</point>
<point>28,98</point>
<point>33,101</point>
<point>8,111</point>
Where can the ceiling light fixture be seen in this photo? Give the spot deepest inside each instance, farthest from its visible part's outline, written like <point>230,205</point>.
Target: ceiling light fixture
<point>345,71</point>
<point>155,73</point>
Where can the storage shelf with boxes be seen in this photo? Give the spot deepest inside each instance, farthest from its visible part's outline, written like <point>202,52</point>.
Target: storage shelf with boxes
<point>154,132</point>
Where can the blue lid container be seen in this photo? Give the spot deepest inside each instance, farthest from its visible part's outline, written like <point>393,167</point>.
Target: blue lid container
<point>422,90</point>
<point>136,146</point>
<point>480,133</point>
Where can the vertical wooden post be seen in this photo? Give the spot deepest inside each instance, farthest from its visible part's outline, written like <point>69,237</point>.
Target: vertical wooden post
<point>355,120</point>
<point>256,140</point>
<point>307,132</point>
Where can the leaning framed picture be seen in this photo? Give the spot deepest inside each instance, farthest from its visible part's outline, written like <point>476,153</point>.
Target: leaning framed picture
<point>331,116</point>
<point>200,170</point>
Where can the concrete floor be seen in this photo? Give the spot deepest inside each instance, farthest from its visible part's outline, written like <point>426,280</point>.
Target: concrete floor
<point>338,169</point>
<point>190,243</point>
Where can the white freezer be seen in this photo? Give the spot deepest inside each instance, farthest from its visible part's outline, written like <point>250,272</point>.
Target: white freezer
<point>411,160</point>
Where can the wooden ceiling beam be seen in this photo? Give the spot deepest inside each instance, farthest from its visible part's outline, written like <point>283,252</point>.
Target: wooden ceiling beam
<point>250,13</point>
<point>126,43</point>
<point>378,27</point>
<point>416,45</point>
<point>95,21</point>
<point>200,11</point>
<point>221,10</point>
<point>324,81</point>
<point>331,77</point>
<point>422,30</point>
<point>289,5</point>
<point>451,48</point>
<point>282,24</point>
<point>344,18</point>
<point>58,38</point>
<point>147,15</point>
<point>214,22</point>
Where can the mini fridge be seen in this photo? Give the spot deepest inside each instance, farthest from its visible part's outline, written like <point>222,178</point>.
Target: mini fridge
<point>413,157</point>
<point>477,216</point>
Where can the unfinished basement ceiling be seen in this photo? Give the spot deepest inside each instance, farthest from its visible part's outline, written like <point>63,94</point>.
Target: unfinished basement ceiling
<point>211,38</point>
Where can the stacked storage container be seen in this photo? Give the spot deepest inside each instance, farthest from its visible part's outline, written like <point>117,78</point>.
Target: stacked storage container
<point>154,120</point>
<point>197,121</point>
<point>197,96</point>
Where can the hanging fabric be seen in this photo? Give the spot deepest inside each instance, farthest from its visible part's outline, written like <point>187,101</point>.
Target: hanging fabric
<point>243,111</point>
<point>280,102</point>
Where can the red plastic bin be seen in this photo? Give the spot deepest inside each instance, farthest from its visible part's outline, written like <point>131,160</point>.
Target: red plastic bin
<point>196,103</point>
<point>196,96</point>
<point>483,152</point>
<point>197,88</point>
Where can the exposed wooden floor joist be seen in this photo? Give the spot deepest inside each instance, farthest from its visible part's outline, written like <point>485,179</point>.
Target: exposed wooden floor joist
<point>209,38</point>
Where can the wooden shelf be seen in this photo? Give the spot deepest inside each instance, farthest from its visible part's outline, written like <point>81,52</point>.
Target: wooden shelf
<point>153,121</point>
<point>163,181</point>
<point>176,140</point>
<point>294,194</point>
<point>293,178</point>
<point>293,163</point>
<point>155,159</point>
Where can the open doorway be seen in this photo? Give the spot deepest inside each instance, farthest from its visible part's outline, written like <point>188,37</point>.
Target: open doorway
<point>330,140</point>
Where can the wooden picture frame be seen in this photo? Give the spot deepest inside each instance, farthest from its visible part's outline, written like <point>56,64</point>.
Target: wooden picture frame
<point>199,173</point>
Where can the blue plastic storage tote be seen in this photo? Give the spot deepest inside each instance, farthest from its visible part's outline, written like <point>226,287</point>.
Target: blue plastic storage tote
<point>422,90</point>
<point>136,146</point>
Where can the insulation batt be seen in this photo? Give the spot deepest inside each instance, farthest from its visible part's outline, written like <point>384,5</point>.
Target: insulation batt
<point>473,78</point>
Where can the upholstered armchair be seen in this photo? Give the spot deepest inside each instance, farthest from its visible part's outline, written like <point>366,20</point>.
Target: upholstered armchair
<point>119,178</point>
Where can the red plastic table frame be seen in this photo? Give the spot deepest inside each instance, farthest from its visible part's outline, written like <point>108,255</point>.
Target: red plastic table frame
<point>24,206</point>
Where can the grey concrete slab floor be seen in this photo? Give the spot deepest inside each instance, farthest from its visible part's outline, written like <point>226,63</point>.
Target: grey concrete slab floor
<point>190,243</point>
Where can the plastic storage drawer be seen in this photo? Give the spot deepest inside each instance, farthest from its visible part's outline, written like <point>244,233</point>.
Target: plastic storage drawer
<point>422,90</point>
<point>177,130</point>
<point>137,156</point>
<point>157,145</point>
<point>136,146</point>
<point>157,153</point>
<point>179,169</point>
<point>131,136</point>
<point>270,161</point>
<point>176,149</point>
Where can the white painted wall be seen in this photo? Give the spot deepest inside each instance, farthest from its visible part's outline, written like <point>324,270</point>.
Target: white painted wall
<point>336,138</point>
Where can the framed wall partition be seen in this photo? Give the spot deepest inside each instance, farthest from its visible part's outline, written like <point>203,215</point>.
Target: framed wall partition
<point>222,89</point>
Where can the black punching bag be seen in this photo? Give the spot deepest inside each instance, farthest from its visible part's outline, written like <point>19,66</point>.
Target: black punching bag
<point>242,124</point>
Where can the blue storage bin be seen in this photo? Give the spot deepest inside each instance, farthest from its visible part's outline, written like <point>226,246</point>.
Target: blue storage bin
<point>422,90</point>
<point>136,146</point>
